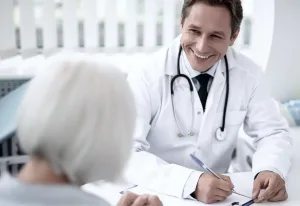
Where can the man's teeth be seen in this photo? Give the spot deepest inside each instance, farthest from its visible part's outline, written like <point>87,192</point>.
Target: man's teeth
<point>202,57</point>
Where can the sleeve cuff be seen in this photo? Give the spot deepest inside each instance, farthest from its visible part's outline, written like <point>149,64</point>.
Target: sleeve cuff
<point>271,169</point>
<point>191,184</point>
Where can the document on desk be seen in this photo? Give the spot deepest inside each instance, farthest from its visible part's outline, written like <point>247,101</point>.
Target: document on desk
<point>243,184</point>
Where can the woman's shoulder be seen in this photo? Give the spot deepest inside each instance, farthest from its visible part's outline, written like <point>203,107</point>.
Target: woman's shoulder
<point>15,193</point>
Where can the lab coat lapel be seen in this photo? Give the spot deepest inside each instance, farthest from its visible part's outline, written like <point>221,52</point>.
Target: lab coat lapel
<point>216,90</point>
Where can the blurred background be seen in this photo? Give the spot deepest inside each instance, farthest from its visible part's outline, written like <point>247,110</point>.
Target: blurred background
<point>125,32</point>
<point>139,16</point>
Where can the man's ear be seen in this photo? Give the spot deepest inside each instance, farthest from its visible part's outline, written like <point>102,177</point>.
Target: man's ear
<point>233,38</point>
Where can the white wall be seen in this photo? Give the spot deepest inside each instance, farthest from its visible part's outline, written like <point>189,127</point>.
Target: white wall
<point>283,69</point>
<point>276,45</point>
<point>262,31</point>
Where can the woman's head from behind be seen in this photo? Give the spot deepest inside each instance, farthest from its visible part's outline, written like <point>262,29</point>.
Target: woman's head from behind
<point>78,115</point>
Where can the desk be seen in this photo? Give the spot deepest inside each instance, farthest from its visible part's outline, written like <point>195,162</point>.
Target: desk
<point>110,192</point>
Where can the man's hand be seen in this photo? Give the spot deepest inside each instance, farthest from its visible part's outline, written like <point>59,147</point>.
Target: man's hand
<point>274,187</point>
<point>131,199</point>
<point>211,189</point>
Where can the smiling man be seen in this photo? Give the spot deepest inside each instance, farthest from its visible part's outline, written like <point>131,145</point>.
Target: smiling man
<point>192,98</point>
<point>207,33</point>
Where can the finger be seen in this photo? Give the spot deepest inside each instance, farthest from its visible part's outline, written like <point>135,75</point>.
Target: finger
<point>141,200</point>
<point>280,196</point>
<point>154,201</point>
<point>227,179</point>
<point>259,201</point>
<point>222,193</point>
<point>281,184</point>
<point>271,190</point>
<point>219,198</point>
<point>127,199</point>
<point>223,185</point>
<point>257,186</point>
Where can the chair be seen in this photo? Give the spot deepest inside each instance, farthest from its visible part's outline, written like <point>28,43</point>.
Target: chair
<point>11,157</point>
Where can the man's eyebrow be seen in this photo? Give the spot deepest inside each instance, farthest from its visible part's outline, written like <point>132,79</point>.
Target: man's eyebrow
<point>195,26</point>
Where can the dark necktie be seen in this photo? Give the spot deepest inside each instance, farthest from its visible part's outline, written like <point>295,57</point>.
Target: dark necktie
<point>203,80</point>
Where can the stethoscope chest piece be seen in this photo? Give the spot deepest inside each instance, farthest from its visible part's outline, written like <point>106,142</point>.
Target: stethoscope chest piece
<point>220,135</point>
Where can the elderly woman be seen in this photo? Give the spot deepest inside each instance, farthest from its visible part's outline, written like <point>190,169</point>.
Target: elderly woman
<point>76,122</point>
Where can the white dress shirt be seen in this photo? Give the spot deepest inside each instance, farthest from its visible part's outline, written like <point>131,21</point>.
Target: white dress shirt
<point>194,73</point>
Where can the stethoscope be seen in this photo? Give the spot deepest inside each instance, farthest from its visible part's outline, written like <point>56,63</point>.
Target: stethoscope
<point>221,132</point>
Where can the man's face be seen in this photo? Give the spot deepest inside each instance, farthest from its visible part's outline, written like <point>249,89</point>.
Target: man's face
<point>206,35</point>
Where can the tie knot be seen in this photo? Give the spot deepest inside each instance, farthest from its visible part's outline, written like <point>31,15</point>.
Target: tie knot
<point>203,79</point>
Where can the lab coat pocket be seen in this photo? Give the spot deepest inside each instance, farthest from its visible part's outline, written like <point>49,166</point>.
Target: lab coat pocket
<point>232,118</point>
<point>233,122</point>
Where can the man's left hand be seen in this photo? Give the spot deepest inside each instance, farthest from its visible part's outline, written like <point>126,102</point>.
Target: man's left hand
<point>274,187</point>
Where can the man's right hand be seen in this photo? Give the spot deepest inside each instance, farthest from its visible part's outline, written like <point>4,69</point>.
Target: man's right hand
<point>211,189</point>
<point>131,199</point>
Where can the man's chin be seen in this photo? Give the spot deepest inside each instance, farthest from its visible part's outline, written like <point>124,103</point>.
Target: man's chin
<point>202,68</point>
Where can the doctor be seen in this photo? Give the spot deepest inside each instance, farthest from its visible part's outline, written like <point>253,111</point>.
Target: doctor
<point>192,98</point>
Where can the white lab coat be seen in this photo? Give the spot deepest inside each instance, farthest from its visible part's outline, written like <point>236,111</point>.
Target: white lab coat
<point>161,160</point>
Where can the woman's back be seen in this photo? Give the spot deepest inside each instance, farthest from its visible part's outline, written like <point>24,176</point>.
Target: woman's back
<point>13,192</point>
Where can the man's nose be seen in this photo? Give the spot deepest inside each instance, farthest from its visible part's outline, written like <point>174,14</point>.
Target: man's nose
<point>202,44</point>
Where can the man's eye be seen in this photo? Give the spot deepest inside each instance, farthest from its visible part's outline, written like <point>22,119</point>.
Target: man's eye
<point>216,37</point>
<point>194,31</point>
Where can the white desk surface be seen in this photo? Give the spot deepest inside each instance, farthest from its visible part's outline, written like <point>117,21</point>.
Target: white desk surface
<point>242,181</point>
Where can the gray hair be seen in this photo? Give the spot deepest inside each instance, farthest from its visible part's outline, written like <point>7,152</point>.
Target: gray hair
<point>79,115</point>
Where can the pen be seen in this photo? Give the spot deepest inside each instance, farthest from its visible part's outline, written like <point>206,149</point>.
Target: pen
<point>128,188</point>
<point>199,162</point>
<point>248,203</point>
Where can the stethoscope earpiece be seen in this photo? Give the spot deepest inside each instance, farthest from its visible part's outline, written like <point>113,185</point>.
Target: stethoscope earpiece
<point>191,133</point>
<point>180,135</point>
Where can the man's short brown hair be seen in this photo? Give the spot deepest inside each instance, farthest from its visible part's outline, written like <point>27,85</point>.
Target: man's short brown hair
<point>234,7</point>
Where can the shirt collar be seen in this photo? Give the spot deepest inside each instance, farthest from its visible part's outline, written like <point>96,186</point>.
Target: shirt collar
<point>193,73</point>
